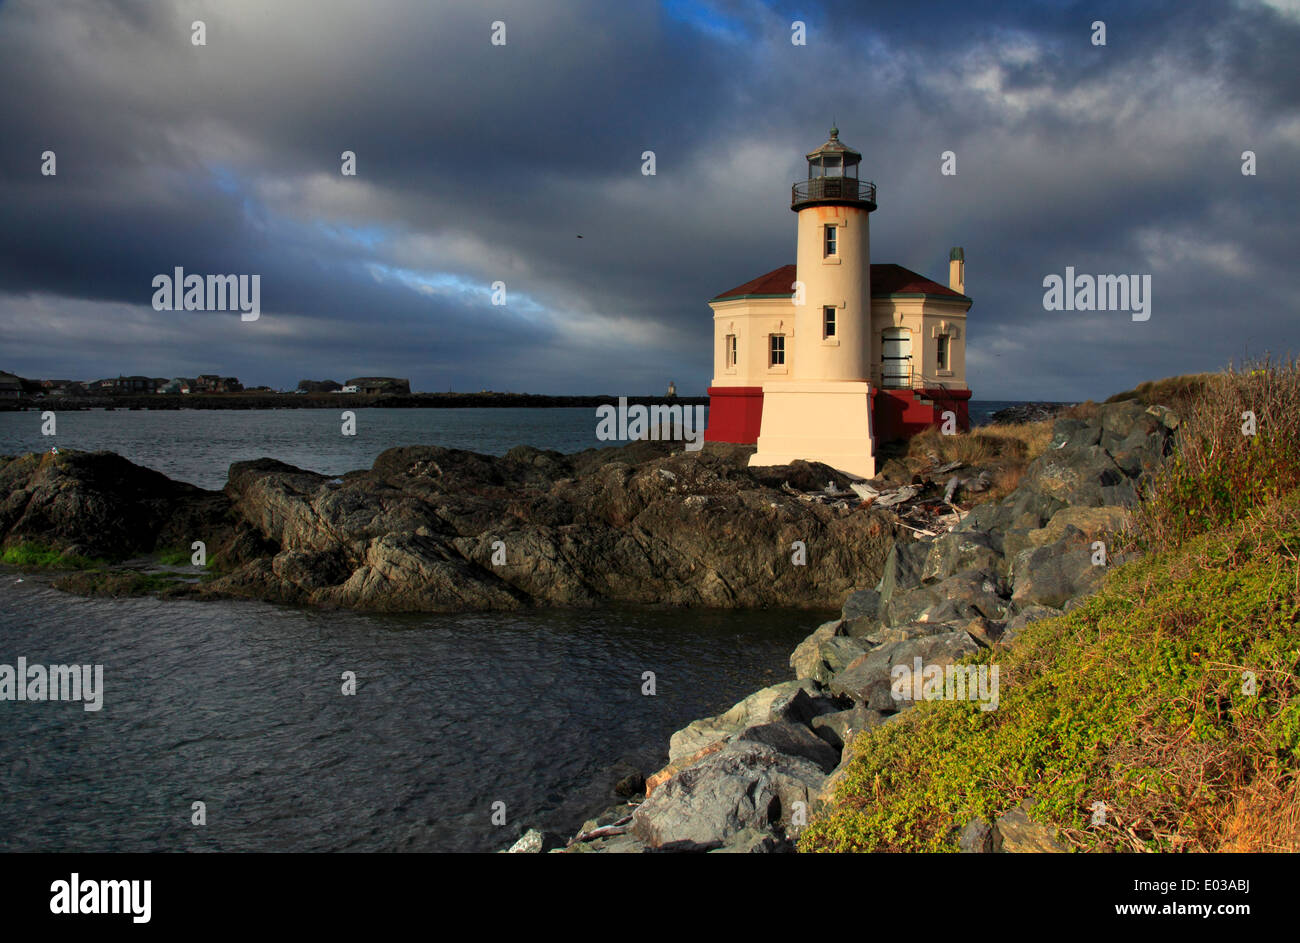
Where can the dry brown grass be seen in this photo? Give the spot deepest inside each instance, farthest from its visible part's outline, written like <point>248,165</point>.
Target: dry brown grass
<point>1087,411</point>
<point>1004,450</point>
<point>1265,816</point>
<point>1005,481</point>
<point>1018,443</point>
<point>1171,391</point>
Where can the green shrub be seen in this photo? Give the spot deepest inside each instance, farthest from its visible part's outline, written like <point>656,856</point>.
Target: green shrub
<point>1218,473</point>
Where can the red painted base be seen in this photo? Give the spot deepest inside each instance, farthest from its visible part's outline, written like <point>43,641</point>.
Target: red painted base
<point>735,414</point>
<point>901,414</point>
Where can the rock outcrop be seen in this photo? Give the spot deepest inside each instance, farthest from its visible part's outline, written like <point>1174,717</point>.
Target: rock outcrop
<point>97,504</point>
<point>435,529</point>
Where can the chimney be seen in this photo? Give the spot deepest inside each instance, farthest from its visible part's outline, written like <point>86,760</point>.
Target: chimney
<point>957,270</point>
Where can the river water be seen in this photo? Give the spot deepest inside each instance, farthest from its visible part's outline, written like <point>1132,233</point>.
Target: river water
<point>238,705</point>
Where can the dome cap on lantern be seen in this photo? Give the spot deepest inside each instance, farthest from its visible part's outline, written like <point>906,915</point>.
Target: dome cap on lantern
<point>834,147</point>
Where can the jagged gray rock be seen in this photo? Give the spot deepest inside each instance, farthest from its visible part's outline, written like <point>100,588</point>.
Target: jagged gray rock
<point>707,805</point>
<point>757,708</point>
<point>867,681</point>
<point>1053,574</point>
<point>825,652</point>
<point>838,728</point>
<point>792,739</point>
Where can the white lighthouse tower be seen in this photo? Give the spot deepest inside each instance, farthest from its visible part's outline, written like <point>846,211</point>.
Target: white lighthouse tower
<point>821,409</point>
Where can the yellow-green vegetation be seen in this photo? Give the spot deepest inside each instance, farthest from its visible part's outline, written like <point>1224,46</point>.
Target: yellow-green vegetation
<point>1172,695</point>
<point>36,554</point>
<point>175,556</point>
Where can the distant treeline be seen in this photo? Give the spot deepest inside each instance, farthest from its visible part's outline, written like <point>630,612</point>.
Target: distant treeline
<point>334,400</point>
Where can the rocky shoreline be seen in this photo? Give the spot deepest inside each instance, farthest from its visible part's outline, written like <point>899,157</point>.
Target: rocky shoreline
<point>917,572</point>
<point>1029,412</point>
<point>746,780</point>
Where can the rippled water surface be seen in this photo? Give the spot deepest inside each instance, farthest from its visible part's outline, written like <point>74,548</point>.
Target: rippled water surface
<point>198,445</point>
<point>239,705</point>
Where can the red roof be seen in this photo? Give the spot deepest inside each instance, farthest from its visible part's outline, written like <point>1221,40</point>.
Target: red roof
<point>886,279</point>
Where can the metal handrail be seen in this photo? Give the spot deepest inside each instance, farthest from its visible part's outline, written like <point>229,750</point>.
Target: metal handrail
<point>903,379</point>
<point>833,188</point>
<point>908,378</point>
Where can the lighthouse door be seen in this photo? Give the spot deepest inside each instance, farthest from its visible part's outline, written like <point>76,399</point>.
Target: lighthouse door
<point>896,358</point>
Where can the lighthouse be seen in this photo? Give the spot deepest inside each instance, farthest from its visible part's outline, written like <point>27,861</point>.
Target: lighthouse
<point>821,410</point>
<point>821,359</point>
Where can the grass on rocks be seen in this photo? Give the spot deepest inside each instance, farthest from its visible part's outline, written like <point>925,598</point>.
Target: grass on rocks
<point>173,556</point>
<point>34,554</point>
<point>1016,442</point>
<point>88,576</point>
<point>1172,695</point>
<point>1005,449</point>
<point>1171,391</point>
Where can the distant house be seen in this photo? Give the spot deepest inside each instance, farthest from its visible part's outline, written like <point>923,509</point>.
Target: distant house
<point>134,384</point>
<point>176,385</point>
<point>319,386</point>
<point>211,383</point>
<point>62,388</point>
<point>347,389</point>
<point>11,386</point>
<point>373,385</point>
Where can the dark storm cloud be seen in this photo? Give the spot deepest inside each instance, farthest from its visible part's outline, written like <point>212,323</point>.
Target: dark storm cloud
<point>479,163</point>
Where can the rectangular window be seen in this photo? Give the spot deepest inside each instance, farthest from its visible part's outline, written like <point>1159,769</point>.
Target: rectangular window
<point>830,240</point>
<point>731,350</point>
<point>941,351</point>
<point>776,357</point>
<point>828,321</point>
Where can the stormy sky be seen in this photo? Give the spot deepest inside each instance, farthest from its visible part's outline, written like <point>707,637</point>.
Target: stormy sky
<point>479,163</point>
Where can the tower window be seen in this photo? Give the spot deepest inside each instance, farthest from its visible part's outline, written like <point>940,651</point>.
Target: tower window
<point>731,350</point>
<point>941,351</point>
<point>776,350</point>
<point>830,240</point>
<point>828,321</point>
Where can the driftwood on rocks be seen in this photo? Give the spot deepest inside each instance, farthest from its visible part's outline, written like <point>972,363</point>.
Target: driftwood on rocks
<point>603,831</point>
